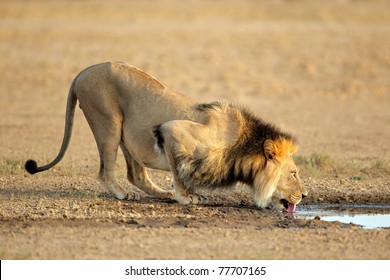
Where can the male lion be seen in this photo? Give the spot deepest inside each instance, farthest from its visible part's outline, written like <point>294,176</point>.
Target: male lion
<point>209,145</point>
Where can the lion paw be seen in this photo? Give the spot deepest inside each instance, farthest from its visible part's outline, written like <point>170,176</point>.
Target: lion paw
<point>169,194</point>
<point>197,199</point>
<point>192,199</point>
<point>132,196</point>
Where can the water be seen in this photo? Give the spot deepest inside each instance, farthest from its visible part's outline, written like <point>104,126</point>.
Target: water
<point>367,216</point>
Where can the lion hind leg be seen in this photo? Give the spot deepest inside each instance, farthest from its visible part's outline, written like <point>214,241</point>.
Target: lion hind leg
<point>108,155</point>
<point>107,132</point>
<point>107,179</point>
<point>138,176</point>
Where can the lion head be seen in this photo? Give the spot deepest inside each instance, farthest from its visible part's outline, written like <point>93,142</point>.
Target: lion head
<point>279,181</point>
<point>289,189</point>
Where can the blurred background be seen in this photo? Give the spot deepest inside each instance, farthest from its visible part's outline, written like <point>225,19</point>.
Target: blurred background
<point>318,69</point>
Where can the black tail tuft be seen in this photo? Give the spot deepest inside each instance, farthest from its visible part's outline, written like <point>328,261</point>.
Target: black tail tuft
<point>159,137</point>
<point>31,166</point>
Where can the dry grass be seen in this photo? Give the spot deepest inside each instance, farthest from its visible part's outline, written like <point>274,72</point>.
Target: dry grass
<point>319,165</point>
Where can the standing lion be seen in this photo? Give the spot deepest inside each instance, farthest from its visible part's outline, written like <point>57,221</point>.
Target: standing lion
<point>204,145</point>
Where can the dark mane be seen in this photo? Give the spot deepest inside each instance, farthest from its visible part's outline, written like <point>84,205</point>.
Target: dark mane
<point>256,132</point>
<point>249,145</point>
<point>256,128</point>
<point>210,106</point>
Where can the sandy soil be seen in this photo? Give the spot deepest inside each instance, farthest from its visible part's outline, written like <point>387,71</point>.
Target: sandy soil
<point>318,70</point>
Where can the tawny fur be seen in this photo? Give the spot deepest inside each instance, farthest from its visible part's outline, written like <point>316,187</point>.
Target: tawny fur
<point>209,145</point>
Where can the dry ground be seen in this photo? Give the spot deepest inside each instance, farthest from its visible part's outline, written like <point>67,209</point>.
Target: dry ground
<point>319,70</point>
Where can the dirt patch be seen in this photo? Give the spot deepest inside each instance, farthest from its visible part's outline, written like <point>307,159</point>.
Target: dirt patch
<point>318,70</point>
<point>76,219</point>
<point>91,240</point>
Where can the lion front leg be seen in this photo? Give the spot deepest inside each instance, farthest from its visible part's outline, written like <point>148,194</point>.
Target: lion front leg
<point>170,138</point>
<point>183,196</point>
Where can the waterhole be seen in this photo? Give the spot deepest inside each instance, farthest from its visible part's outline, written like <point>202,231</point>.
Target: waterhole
<point>367,216</point>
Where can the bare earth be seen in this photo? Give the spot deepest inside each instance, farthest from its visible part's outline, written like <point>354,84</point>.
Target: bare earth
<point>318,70</point>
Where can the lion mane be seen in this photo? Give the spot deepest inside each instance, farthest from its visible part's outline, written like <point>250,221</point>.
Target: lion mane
<point>238,162</point>
<point>242,160</point>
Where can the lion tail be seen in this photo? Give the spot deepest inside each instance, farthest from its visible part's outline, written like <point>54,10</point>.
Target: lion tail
<point>31,165</point>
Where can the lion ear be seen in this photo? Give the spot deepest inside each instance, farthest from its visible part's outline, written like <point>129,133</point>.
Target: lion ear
<point>279,148</point>
<point>269,149</point>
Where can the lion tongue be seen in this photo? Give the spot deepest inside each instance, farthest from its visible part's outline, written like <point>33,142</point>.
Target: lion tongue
<point>291,208</point>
